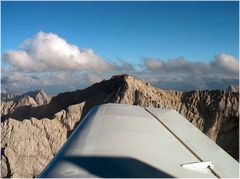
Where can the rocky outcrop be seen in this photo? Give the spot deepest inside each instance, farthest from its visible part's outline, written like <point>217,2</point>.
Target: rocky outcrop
<point>39,96</point>
<point>71,116</point>
<point>9,107</point>
<point>233,88</point>
<point>28,145</point>
<point>16,103</point>
<point>34,134</point>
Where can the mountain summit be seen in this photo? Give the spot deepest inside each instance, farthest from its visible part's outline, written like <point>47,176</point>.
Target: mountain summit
<point>10,102</point>
<point>40,130</point>
<point>39,96</point>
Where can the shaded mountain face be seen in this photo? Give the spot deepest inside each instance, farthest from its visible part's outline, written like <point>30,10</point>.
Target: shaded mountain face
<point>32,134</point>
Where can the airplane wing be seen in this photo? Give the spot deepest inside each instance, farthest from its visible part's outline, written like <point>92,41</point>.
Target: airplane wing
<point>125,141</point>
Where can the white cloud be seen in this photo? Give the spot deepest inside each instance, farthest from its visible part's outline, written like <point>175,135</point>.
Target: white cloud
<point>223,64</point>
<point>153,64</point>
<point>48,61</point>
<point>14,81</point>
<point>93,78</point>
<point>175,66</point>
<point>226,63</point>
<point>49,52</point>
<point>181,74</point>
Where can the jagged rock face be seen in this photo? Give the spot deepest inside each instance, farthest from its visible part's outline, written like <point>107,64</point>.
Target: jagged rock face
<point>33,144</point>
<point>17,102</point>
<point>70,117</point>
<point>213,112</point>
<point>213,108</point>
<point>28,145</point>
<point>143,94</point>
<point>233,88</point>
<point>41,98</point>
<point>9,106</point>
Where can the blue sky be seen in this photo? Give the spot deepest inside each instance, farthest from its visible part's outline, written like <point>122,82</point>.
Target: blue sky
<point>129,30</point>
<point>154,37</point>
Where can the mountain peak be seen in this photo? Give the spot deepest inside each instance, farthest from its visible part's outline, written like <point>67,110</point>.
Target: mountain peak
<point>121,76</point>
<point>33,94</point>
<point>233,88</point>
<point>129,79</point>
<point>214,112</point>
<point>41,97</point>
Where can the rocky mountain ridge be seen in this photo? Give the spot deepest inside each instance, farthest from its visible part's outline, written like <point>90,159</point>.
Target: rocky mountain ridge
<point>34,94</point>
<point>233,88</point>
<point>10,102</point>
<point>49,124</point>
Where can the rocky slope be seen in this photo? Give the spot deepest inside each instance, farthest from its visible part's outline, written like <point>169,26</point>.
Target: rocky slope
<point>11,103</point>
<point>233,88</point>
<point>32,134</point>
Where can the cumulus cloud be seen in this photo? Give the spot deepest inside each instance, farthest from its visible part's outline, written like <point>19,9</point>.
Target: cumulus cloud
<point>175,65</point>
<point>153,64</point>
<point>54,82</point>
<point>179,73</point>
<point>15,82</point>
<point>222,63</point>
<point>93,78</point>
<point>226,63</point>
<point>50,62</point>
<point>48,51</point>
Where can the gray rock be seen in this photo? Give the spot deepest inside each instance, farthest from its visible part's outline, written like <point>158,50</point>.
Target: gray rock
<point>29,143</point>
